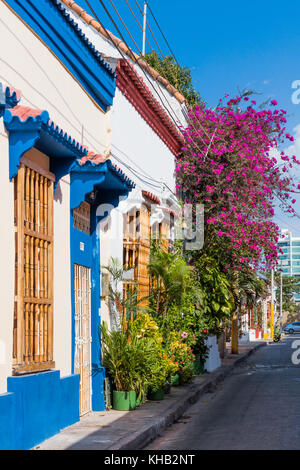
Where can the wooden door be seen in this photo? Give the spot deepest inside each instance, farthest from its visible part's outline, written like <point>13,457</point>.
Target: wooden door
<point>82,285</point>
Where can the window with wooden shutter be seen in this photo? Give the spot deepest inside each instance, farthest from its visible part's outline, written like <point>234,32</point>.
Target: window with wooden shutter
<point>137,250</point>
<point>33,314</point>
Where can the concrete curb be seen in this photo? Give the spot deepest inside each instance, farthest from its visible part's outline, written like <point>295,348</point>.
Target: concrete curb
<point>139,439</point>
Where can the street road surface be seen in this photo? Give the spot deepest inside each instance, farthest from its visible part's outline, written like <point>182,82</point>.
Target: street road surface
<point>256,407</point>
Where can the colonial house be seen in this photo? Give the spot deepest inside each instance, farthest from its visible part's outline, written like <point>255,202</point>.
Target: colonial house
<point>146,116</point>
<point>54,143</point>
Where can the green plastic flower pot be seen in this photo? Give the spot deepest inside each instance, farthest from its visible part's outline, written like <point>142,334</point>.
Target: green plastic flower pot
<point>124,401</point>
<point>157,394</point>
<point>175,380</point>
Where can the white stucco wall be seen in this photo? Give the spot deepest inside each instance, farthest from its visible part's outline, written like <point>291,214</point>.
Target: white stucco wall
<point>139,147</point>
<point>62,332</point>
<point>7,254</point>
<point>213,361</point>
<point>28,65</point>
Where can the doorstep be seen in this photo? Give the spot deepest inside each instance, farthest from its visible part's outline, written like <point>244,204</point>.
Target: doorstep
<point>133,430</point>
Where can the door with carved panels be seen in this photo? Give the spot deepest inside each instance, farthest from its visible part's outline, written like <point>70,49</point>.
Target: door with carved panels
<point>82,285</point>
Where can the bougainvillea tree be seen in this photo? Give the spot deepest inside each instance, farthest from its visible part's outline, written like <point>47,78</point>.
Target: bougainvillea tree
<point>232,164</point>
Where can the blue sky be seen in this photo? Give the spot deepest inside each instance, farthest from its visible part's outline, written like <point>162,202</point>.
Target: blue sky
<point>228,45</point>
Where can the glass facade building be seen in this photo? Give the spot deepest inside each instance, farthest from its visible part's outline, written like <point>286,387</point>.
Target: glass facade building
<point>289,260</point>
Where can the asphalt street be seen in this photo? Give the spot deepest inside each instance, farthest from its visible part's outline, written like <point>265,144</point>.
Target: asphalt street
<point>257,407</point>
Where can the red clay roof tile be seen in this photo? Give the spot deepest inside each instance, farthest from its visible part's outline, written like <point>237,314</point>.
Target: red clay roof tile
<point>24,112</point>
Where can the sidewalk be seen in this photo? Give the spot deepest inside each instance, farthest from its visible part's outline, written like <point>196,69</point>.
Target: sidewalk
<point>123,430</point>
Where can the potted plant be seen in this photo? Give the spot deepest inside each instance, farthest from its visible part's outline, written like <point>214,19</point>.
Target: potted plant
<point>116,358</point>
<point>180,351</point>
<point>201,352</point>
<point>158,378</point>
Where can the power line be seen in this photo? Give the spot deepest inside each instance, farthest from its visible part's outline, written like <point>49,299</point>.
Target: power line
<point>156,22</point>
<point>113,5</point>
<point>150,30</point>
<point>141,28</point>
<point>135,60</point>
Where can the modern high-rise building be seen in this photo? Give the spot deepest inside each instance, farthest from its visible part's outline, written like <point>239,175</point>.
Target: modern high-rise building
<point>290,258</point>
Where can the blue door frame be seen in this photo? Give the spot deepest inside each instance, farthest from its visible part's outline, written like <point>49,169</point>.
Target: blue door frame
<point>85,251</point>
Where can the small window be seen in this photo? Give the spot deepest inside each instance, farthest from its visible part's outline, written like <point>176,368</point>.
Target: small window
<point>82,218</point>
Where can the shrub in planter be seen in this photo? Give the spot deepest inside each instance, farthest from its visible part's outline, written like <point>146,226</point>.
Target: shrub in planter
<point>156,394</point>
<point>180,352</point>
<point>162,368</point>
<point>175,380</point>
<point>185,374</point>
<point>159,367</point>
<point>128,359</point>
<point>201,352</point>
<point>124,401</point>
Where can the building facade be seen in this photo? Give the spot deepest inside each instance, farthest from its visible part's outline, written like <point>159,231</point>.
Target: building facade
<point>87,151</point>
<point>53,180</point>
<point>146,115</point>
<point>289,258</point>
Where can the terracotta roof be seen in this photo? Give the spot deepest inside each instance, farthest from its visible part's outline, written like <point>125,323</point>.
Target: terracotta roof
<point>138,94</point>
<point>24,112</point>
<point>90,20</point>
<point>96,159</point>
<point>92,157</point>
<point>151,197</point>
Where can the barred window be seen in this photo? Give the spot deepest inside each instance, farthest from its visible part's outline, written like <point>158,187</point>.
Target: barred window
<point>33,312</point>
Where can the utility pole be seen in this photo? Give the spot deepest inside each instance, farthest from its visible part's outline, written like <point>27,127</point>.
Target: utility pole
<point>272,303</point>
<point>235,334</point>
<point>144,27</point>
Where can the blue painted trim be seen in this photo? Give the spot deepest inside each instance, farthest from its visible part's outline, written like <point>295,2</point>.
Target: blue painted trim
<point>8,99</point>
<point>98,371</point>
<point>111,184</point>
<point>36,131</point>
<point>103,176</point>
<point>36,407</point>
<point>51,22</point>
<point>7,421</point>
<point>83,183</point>
<point>22,137</point>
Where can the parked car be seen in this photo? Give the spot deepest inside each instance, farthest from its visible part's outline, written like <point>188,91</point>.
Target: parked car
<point>293,327</point>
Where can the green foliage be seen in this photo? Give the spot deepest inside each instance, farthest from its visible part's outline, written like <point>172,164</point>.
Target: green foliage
<point>118,303</point>
<point>171,278</point>
<point>135,358</point>
<point>219,300</point>
<point>179,349</point>
<point>290,286</point>
<point>246,287</point>
<point>179,77</point>
<point>200,348</point>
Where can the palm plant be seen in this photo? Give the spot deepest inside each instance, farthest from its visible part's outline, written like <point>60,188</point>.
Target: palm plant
<point>170,278</point>
<point>118,304</point>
